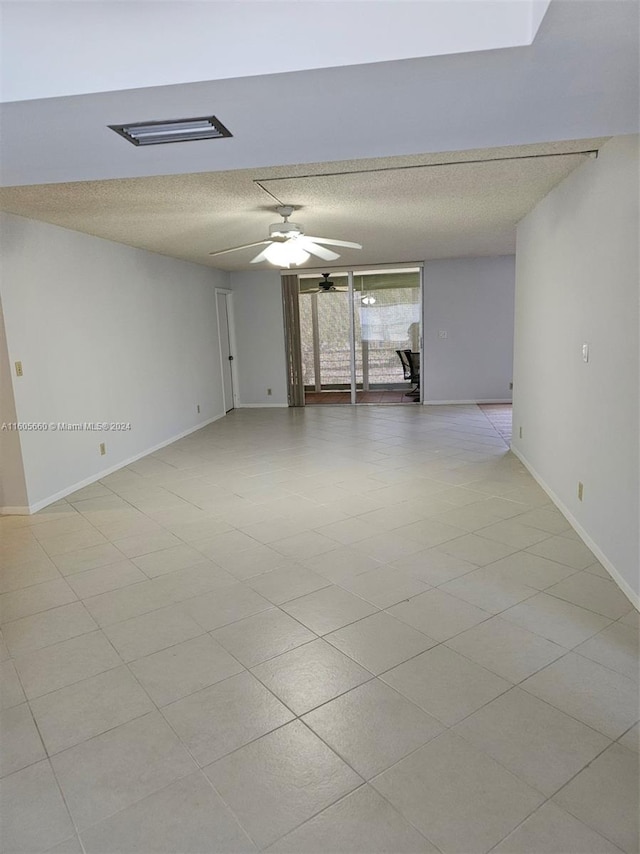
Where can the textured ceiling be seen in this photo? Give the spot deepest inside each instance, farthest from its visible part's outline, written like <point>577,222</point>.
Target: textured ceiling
<point>408,208</point>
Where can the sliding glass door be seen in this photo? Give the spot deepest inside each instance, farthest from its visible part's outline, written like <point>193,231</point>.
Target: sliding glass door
<point>358,332</point>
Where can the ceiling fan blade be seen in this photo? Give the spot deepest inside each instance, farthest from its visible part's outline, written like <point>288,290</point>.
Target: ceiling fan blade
<point>244,246</point>
<point>316,249</point>
<point>262,256</point>
<point>347,243</point>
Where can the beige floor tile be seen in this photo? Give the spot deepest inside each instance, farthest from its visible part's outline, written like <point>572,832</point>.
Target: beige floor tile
<point>15,576</point>
<point>530,570</point>
<point>434,567</point>
<point>605,797</point>
<point>506,649</point>
<point>556,619</point>
<point>475,549</point>
<point>64,663</point>
<point>595,695</point>
<point>128,602</point>
<point>372,727</point>
<point>328,609</point>
<point>387,547</point>
<point>251,562</point>
<point>445,684</point>
<point>547,519</point>
<point>615,647</point>
<point>88,558</point>
<point>119,767</point>
<point>341,563</point>
<point>286,583</point>
<point>71,542</point>
<point>570,552</point>
<point>221,545</point>
<point>152,632</point>
<point>103,579</point>
<point>438,614</point>
<point>551,830</point>
<point>40,630</point>
<point>513,532</point>
<point>11,693</point>
<point>68,846</point>
<point>57,527</point>
<point>389,518</point>
<point>262,636</point>
<point>310,675</point>
<point>34,816</point>
<point>535,741</point>
<point>471,518</point>
<point>361,823</point>
<point>188,816</point>
<point>220,719</point>
<point>274,784</point>
<point>20,744</point>
<point>168,560</point>
<point>457,796</point>
<point>304,545</point>
<point>488,590</point>
<point>85,709</point>
<point>200,527</point>
<point>183,669</point>
<point>225,605</point>
<point>595,594</point>
<point>384,586</point>
<point>631,739</point>
<point>194,581</point>
<point>349,530</point>
<point>33,600</point>
<point>143,544</point>
<point>379,642</point>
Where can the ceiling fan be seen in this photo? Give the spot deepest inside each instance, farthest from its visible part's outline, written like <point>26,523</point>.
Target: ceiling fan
<point>287,244</point>
<point>324,286</point>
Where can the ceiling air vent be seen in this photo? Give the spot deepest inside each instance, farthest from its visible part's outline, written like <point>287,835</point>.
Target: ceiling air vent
<point>172,130</point>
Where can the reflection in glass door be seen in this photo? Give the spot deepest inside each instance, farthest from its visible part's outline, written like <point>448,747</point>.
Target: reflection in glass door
<point>352,327</point>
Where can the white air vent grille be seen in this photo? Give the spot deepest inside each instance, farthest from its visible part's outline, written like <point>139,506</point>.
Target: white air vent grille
<point>172,130</point>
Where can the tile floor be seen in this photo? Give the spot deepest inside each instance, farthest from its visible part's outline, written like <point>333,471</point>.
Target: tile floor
<point>325,630</point>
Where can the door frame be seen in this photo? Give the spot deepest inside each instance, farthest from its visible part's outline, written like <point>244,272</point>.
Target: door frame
<point>232,346</point>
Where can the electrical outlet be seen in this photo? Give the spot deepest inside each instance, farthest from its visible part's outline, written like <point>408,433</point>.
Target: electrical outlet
<point>18,369</point>
<point>520,433</point>
<point>103,449</point>
<point>198,407</point>
<point>269,391</point>
<point>580,490</point>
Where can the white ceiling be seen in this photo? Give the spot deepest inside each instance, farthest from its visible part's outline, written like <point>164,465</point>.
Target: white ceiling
<point>578,79</point>
<point>143,43</point>
<point>401,209</point>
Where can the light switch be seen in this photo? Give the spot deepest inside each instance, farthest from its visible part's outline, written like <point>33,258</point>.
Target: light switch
<point>18,369</point>
<point>585,352</point>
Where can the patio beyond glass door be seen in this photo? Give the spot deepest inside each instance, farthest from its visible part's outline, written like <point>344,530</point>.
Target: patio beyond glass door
<point>351,332</point>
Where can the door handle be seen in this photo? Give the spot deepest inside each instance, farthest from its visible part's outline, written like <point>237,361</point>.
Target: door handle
<point>231,358</point>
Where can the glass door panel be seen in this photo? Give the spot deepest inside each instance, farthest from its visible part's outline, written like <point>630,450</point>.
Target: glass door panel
<point>386,309</point>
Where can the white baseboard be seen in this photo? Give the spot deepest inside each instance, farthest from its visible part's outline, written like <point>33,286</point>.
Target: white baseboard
<point>453,402</point>
<point>631,595</point>
<point>262,405</point>
<point>15,511</point>
<point>51,499</point>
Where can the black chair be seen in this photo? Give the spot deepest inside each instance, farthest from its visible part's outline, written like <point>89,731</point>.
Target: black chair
<point>411,367</point>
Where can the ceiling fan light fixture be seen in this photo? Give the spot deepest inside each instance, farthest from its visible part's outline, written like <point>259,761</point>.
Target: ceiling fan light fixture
<point>285,254</point>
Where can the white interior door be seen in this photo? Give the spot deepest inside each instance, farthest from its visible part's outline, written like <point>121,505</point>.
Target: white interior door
<point>226,356</point>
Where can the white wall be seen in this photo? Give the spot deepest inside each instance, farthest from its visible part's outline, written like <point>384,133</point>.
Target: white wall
<point>577,282</point>
<point>471,299</point>
<point>105,333</point>
<point>260,360</point>
<point>13,491</point>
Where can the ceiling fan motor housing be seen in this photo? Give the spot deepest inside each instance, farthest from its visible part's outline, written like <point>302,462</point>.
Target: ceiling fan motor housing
<point>285,229</point>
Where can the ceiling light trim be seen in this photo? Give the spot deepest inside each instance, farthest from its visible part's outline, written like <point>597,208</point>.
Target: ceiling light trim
<point>165,131</point>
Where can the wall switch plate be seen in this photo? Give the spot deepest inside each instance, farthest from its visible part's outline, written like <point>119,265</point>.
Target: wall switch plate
<point>103,449</point>
<point>585,352</point>
<point>442,333</point>
<point>580,490</point>
<point>520,433</point>
<point>269,391</point>
<point>18,369</point>
<point>198,407</point>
